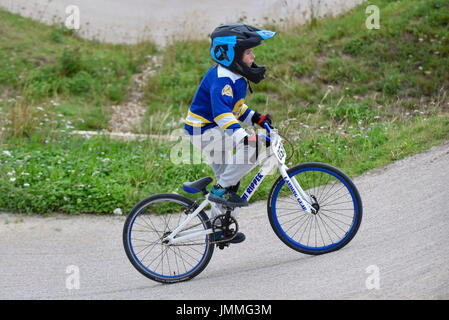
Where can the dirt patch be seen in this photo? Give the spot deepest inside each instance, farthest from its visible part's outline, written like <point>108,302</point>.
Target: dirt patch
<point>127,117</point>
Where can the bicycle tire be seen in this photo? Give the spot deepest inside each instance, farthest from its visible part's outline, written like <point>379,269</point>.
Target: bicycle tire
<point>145,228</point>
<point>329,182</point>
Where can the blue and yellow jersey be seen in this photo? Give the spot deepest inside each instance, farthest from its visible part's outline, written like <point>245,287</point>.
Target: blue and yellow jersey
<point>220,101</point>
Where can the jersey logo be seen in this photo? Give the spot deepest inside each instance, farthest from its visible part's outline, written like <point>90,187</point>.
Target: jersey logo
<point>227,91</point>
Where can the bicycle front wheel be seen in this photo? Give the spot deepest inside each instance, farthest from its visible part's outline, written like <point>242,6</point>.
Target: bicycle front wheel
<point>149,222</point>
<point>338,204</point>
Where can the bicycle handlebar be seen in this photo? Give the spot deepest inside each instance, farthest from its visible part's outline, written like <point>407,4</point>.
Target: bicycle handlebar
<point>268,127</point>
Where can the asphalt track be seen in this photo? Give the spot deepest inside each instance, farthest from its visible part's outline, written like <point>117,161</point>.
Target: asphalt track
<point>400,252</point>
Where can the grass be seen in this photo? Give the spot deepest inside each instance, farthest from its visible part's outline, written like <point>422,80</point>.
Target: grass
<point>70,174</point>
<point>345,95</point>
<point>73,175</point>
<point>52,63</point>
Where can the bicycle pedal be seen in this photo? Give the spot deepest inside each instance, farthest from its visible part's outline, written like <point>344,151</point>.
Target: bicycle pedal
<point>221,246</point>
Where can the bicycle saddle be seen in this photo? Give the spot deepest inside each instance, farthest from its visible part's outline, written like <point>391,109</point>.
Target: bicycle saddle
<point>197,186</point>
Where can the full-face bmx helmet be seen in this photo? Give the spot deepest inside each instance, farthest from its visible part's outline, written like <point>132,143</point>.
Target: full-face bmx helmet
<point>230,41</point>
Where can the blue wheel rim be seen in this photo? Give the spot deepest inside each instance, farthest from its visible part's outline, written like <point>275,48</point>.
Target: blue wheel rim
<point>300,245</point>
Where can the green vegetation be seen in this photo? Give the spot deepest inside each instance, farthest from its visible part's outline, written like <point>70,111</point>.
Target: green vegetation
<point>50,65</point>
<point>345,95</point>
<point>72,174</point>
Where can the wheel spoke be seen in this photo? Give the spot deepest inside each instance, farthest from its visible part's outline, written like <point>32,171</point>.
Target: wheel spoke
<point>164,262</point>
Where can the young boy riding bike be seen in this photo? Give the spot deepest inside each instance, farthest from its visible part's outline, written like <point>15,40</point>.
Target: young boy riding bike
<point>218,108</point>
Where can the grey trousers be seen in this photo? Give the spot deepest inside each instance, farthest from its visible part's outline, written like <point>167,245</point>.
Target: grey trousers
<point>229,161</point>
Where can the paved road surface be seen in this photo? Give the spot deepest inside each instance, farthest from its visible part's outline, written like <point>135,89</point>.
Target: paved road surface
<point>161,20</point>
<point>404,236</point>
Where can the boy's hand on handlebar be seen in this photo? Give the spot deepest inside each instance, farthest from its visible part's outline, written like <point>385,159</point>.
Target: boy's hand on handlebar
<point>260,119</point>
<point>265,118</point>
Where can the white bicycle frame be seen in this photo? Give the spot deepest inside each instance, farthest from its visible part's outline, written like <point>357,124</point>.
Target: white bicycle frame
<point>276,156</point>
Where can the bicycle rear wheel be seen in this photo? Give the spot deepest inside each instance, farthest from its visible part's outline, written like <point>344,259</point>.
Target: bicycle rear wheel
<point>153,219</point>
<point>339,209</point>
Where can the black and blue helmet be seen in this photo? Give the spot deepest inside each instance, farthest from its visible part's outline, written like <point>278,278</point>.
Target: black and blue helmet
<point>230,41</point>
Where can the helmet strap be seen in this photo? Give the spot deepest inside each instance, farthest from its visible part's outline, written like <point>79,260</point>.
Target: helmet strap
<point>249,86</point>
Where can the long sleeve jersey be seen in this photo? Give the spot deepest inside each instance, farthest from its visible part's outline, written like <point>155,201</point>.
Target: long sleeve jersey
<point>220,101</point>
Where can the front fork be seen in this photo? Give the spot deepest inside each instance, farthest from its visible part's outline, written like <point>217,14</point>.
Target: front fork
<point>303,199</point>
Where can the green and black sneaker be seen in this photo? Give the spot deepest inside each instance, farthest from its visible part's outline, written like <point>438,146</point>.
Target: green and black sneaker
<point>239,237</point>
<point>226,196</point>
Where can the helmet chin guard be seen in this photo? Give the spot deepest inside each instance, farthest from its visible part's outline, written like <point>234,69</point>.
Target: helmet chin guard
<point>254,73</point>
<point>230,41</point>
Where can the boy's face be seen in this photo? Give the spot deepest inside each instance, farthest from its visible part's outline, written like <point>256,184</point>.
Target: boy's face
<point>248,57</point>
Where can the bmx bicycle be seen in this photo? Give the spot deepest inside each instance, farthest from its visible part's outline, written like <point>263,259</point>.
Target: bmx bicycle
<point>313,208</point>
